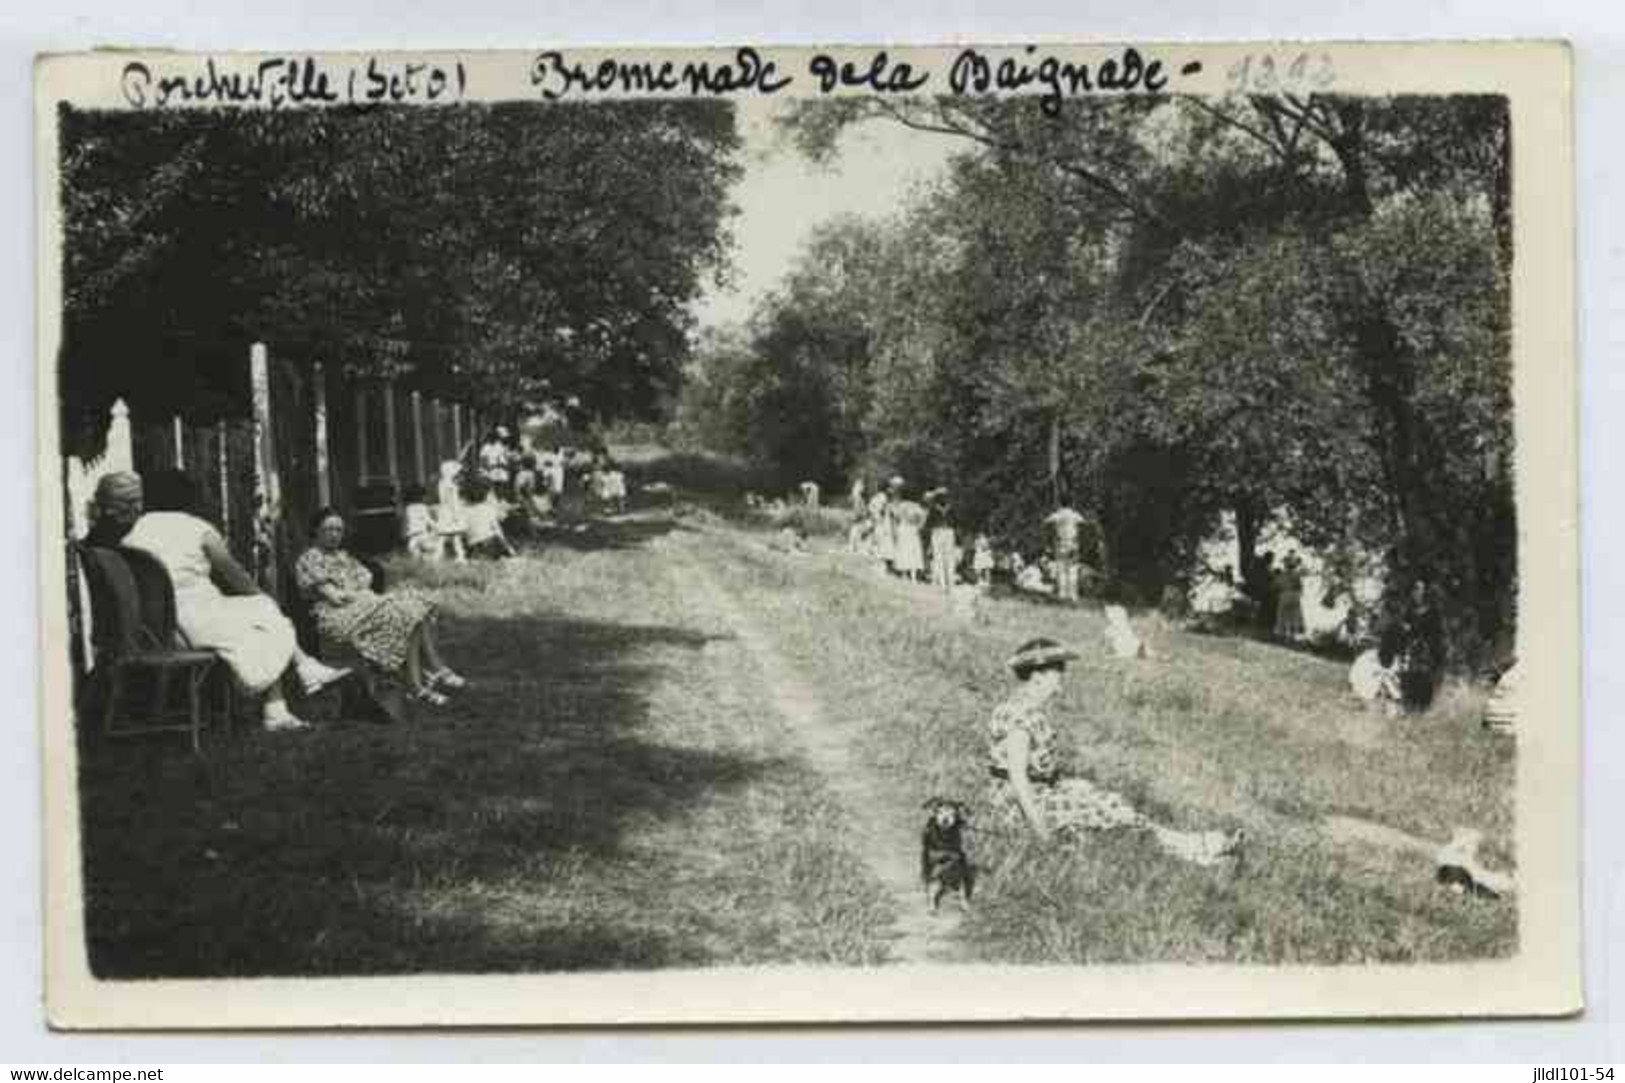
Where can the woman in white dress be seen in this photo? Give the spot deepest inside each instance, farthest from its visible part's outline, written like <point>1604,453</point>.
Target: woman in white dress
<point>881,542</point>
<point>908,553</point>
<point>245,627</point>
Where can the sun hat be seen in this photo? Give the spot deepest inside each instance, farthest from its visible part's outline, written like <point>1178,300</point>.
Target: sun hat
<point>1037,653</point>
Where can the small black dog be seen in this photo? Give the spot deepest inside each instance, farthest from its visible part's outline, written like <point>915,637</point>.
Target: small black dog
<point>944,867</point>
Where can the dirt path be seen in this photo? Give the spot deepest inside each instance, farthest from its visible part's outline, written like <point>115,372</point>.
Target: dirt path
<point>828,749</point>
<point>884,834</point>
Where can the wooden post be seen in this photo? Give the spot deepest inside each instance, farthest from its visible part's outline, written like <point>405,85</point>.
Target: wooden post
<point>360,434</point>
<point>267,485</point>
<point>223,469</point>
<point>391,449</point>
<point>82,477</point>
<point>120,453</point>
<point>417,438</point>
<point>180,443</point>
<point>436,452</point>
<point>457,428</point>
<point>324,482</point>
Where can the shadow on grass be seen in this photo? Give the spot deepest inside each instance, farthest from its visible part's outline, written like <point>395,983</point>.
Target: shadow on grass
<point>607,533</point>
<point>499,834</point>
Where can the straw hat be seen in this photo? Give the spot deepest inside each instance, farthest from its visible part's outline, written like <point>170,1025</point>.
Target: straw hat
<point>1037,653</point>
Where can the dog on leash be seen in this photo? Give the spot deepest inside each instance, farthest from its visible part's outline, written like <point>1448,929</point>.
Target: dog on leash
<point>944,866</point>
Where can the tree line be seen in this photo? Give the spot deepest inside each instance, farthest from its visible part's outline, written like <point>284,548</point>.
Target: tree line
<point>488,252</point>
<point>1291,309</point>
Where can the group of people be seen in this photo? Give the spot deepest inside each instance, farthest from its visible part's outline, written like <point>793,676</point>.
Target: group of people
<point>916,540</point>
<point>509,481</point>
<point>466,521</point>
<point>220,607</point>
<point>1402,662</point>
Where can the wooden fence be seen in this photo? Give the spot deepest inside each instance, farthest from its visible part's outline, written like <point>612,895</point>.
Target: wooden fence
<point>310,438</point>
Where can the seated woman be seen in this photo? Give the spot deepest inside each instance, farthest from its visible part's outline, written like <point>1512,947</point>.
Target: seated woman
<point>114,509</point>
<point>482,518</point>
<point>393,633</point>
<point>1375,683</point>
<point>244,626</point>
<point>1028,789</point>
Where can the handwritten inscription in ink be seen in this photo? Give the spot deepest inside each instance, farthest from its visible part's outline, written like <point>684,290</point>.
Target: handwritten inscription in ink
<point>279,82</point>
<point>878,75</point>
<point>555,76</point>
<point>288,81</point>
<point>976,73</point>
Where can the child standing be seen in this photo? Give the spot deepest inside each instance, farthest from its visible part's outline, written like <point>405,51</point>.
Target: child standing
<point>417,526</point>
<point>449,522</point>
<point>981,562</point>
<point>944,545</point>
<point>483,517</point>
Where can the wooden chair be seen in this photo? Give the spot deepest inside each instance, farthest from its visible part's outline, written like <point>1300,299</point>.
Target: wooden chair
<point>156,592</point>
<point>129,640</point>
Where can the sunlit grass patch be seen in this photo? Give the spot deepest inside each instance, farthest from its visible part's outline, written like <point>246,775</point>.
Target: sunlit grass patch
<point>1211,734</point>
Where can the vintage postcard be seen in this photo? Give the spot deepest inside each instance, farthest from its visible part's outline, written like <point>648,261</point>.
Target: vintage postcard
<point>1024,531</point>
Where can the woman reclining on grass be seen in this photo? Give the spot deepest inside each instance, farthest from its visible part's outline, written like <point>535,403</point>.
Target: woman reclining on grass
<point>1028,790</point>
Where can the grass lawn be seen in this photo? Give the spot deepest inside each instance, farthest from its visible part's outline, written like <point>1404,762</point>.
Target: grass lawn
<point>1214,733</point>
<point>622,789</point>
<point>605,796</point>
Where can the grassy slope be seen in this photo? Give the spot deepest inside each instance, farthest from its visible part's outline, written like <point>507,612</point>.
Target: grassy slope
<point>1216,733</point>
<point>613,793</point>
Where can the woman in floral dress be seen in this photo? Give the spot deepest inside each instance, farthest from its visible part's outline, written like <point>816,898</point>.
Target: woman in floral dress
<point>1028,789</point>
<point>393,633</point>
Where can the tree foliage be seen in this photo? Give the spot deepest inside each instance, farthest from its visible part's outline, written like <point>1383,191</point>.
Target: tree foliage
<point>483,250</point>
<point>1284,308</point>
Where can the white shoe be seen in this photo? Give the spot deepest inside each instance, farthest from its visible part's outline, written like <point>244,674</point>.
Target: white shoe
<point>315,676</point>
<point>446,678</point>
<point>278,719</point>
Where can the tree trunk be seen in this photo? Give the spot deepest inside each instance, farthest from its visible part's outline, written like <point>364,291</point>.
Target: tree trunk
<point>1249,524</point>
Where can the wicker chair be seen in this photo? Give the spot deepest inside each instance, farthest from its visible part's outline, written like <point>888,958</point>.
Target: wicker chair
<point>134,634</point>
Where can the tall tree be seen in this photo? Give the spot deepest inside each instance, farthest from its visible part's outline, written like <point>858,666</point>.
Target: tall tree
<point>483,249</point>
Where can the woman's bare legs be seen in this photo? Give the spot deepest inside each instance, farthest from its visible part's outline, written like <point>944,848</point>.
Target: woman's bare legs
<point>431,648</point>
<point>414,660</point>
<point>275,712</point>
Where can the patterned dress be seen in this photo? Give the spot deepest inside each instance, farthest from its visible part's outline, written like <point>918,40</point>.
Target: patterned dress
<point>378,627</point>
<point>1072,806</point>
<point>1066,804</point>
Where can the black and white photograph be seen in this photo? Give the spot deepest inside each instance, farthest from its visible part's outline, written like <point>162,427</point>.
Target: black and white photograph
<point>808,525</point>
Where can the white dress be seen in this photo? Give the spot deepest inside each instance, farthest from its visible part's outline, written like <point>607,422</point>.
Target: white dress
<point>248,631</point>
<point>1371,681</point>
